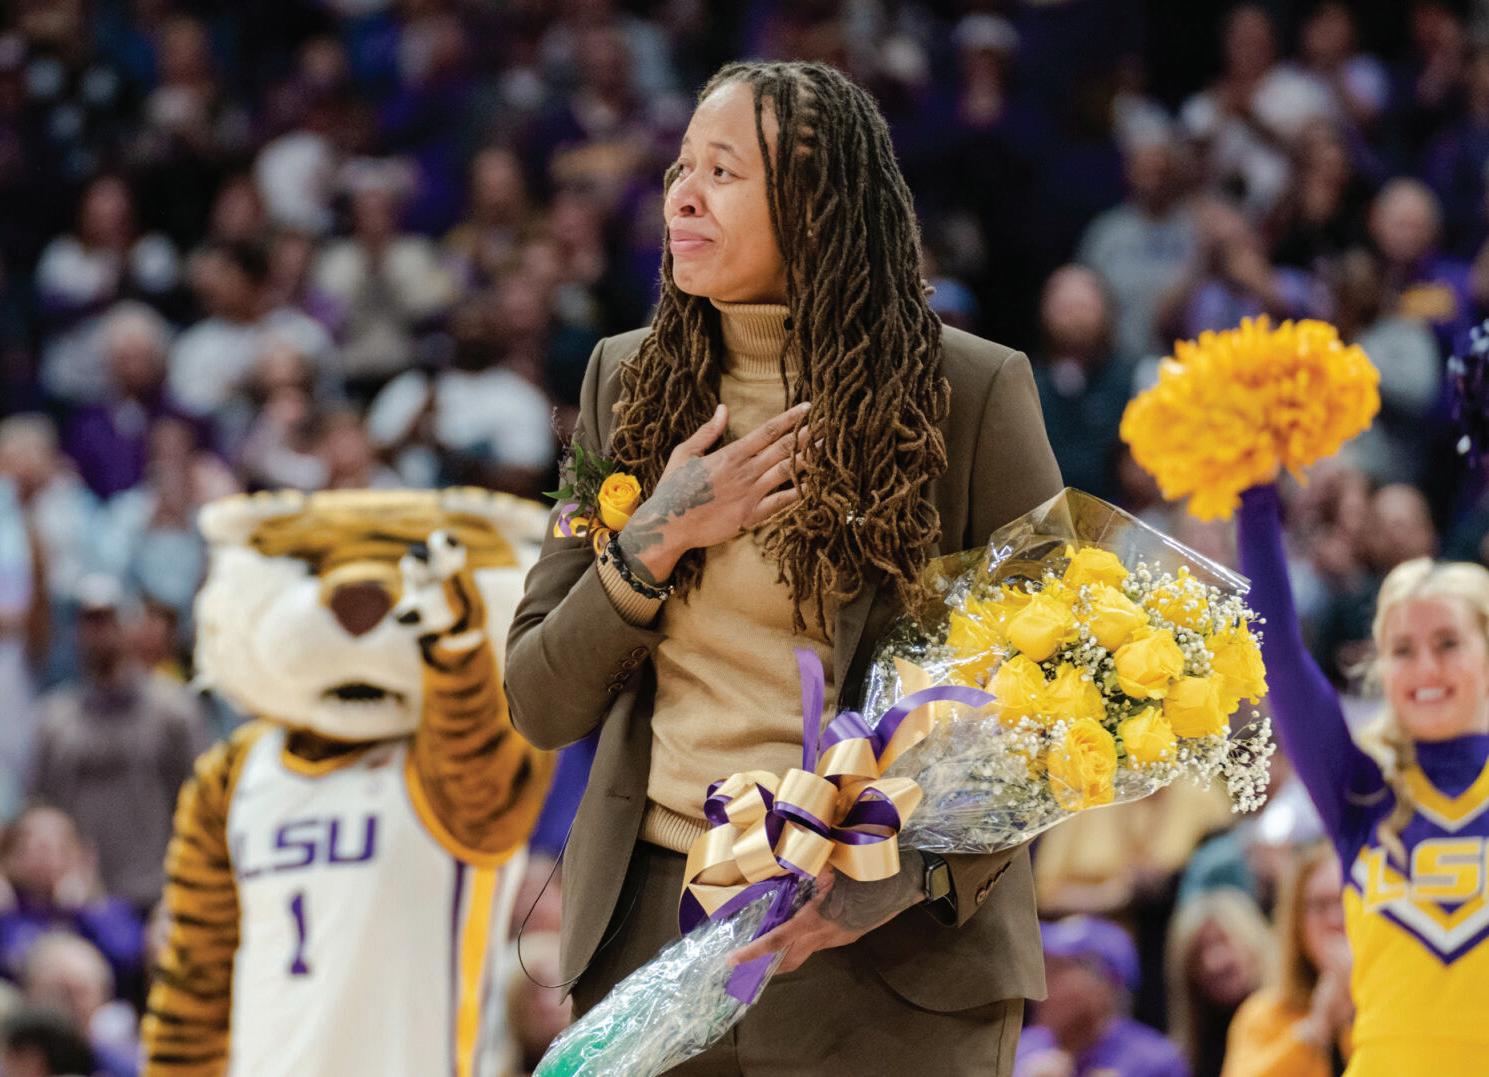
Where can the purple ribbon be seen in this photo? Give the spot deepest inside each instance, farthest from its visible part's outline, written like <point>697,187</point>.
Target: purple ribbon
<point>564,527</point>
<point>870,810</point>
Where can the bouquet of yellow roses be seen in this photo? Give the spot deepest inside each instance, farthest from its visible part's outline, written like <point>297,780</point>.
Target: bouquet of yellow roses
<point>1079,659</point>
<point>1116,659</point>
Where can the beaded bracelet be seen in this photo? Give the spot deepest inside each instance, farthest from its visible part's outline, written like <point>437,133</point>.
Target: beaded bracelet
<point>641,587</point>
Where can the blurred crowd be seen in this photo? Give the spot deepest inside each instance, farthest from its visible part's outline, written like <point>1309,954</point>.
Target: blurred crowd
<point>352,243</point>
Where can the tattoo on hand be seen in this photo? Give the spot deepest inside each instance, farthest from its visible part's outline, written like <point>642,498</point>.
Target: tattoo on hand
<point>679,493</point>
<point>860,906</point>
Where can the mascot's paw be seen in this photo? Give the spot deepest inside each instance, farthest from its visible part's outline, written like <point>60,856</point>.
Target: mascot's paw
<point>439,598</point>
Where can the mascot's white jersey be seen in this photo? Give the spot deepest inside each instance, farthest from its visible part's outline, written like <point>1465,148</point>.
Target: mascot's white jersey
<point>397,979</point>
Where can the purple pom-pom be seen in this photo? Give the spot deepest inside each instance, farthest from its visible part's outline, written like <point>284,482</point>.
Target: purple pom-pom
<point>1469,370</point>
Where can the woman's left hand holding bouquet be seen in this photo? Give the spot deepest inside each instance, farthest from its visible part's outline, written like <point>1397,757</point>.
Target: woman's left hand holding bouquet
<point>841,911</point>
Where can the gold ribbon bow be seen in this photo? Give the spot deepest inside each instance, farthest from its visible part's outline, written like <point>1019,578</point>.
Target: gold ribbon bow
<point>842,813</point>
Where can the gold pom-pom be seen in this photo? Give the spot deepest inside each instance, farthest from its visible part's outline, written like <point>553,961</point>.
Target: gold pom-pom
<point>1232,409</point>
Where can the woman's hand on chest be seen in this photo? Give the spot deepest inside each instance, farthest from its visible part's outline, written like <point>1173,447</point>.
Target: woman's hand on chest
<point>705,498</point>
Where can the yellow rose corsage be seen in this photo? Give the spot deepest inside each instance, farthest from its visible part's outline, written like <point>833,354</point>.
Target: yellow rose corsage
<point>596,499</point>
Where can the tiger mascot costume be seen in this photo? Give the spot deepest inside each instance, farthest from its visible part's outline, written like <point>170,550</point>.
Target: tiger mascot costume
<point>345,862</point>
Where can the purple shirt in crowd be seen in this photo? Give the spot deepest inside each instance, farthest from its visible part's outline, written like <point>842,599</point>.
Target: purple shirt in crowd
<point>1129,1049</point>
<point>108,923</point>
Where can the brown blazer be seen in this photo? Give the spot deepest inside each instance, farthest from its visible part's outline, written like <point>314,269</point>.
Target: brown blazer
<point>573,664</point>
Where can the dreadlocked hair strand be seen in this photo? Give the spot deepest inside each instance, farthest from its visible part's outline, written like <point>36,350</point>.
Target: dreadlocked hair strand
<point>864,348</point>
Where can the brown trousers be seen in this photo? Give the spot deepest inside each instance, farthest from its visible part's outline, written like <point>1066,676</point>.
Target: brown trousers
<point>832,1015</point>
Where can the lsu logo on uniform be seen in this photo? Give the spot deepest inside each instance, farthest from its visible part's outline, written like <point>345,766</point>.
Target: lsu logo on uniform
<point>306,843</point>
<point>1443,898</point>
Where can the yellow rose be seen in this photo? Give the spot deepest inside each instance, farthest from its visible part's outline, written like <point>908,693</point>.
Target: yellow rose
<point>1193,707</point>
<point>1146,666</point>
<point>1082,766</point>
<point>1238,664</point>
<point>1041,626</point>
<point>1094,565</point>
<point>978,639</point>
<point>1184,601</point>
<point>978,626</point>
<point>1112,616</point>
<point>619,496</point>
<point>1010,600</point>
<point>1148,737</point>
<point>1019,688</point>
<point>1067,696</point>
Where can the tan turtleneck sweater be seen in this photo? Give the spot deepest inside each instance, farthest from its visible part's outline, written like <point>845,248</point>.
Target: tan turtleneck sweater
<point>728,696</point>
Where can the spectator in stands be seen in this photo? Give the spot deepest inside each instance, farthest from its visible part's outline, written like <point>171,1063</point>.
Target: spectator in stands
<point>1429,78</point>
<point>1298,1026</point>
<point>648,52</point>
<point>270,426</point>
<point>155,641</point>
<point>1232,279</point>
<point>1142,247</point>
<point>1454,165</point>
<point>1327,518</point>
<point>479,420</point>
<point>347,456</point>
<point>1322,214</point>
<point>67,974</point>
<point>237,212</point>
<point>1083,1027</point>
<point>1329,50</point>
<point>147,535</point>
<point>212,360</point>
<point>1395,448</point>
<point>23,632</point>
<point>1125,862</point>
<point>57,512</point>
<point>389,283</point>
<point>604,117</point>
<point>296,172</point>
<point>485,245</point>
<point>1082,387</point>
<point>423,120</point>
<point>108,441</point>
<point>113,749</point>
<point>1219,952</point>
<point>53,879</point>
<point>40,1042</point>
<point>1257,853</point>
<point>1398,527</point>
<point>81,274</point>
<point>193,131</point>
<point>292,256</point>
<point>1420,282</point>
<point>1243,123</point>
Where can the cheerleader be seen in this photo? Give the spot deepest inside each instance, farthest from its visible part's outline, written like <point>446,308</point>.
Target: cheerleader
<point>1408,818</point>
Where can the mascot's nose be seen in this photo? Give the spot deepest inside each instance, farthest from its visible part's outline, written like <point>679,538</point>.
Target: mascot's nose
<point>360,606</point>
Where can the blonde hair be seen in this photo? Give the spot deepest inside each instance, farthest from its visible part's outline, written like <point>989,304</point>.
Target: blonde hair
<point>1236,914</point>
<point>1295,973</point>
<point>1384,739</point>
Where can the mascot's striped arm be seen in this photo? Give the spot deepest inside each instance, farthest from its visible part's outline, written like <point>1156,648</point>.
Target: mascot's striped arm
<point>186,1024</point>
<point>477,784</point>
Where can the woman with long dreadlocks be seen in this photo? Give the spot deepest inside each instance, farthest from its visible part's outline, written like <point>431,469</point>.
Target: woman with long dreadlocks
<point>807,436</point>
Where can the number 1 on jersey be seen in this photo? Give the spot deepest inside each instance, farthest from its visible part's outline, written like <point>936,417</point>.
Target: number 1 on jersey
<point>298,967</point>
